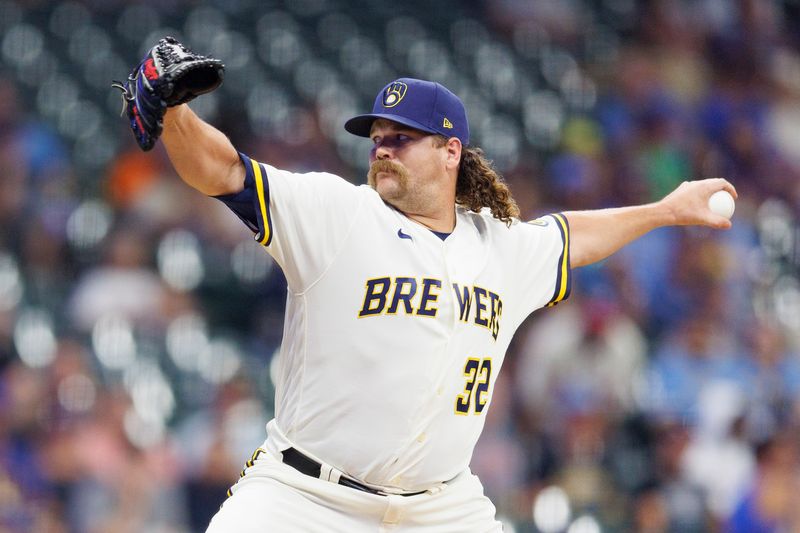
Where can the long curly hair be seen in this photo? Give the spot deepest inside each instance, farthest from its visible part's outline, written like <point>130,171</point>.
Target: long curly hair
<point>479,185</point>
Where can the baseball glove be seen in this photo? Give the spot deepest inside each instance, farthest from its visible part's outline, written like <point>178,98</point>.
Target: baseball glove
<point>170,74</point>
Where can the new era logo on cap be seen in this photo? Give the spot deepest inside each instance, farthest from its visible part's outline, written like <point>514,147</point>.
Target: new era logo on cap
<point>418,104</point>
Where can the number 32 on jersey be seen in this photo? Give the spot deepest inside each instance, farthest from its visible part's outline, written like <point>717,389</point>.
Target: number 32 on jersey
<point>478,374</point>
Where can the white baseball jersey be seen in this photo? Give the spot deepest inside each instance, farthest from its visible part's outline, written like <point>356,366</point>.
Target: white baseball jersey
<point>393,337</point>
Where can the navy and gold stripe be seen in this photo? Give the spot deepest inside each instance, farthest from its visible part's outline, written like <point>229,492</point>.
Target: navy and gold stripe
<point>563,277</point>
<point>264,237</point>
<point>250,462</point>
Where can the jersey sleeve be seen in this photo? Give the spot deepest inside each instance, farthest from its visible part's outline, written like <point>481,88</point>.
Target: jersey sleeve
<point>300,219</point>
<point>544,266</point>
<point>563,274</point>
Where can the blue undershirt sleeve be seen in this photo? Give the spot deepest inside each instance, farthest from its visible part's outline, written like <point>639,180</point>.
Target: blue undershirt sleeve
<point>243,203</point>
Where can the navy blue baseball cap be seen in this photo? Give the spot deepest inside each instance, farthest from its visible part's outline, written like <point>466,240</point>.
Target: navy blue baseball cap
<point>419,104</point>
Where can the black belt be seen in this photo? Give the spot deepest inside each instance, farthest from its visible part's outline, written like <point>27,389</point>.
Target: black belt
<point>310,467</point>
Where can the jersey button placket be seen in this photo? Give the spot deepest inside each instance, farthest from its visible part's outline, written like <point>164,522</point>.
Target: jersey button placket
<point>448,282</point>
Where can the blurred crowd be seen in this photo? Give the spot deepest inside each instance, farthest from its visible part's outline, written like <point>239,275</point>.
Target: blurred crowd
<point>138,320</point>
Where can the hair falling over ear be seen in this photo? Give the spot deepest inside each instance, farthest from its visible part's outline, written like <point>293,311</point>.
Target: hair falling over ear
<point>479,185</point>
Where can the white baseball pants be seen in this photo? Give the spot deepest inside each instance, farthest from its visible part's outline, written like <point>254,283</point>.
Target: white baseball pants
<point>274,497</point>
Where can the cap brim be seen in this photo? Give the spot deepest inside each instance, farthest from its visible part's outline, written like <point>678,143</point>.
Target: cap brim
<point>361,124</point>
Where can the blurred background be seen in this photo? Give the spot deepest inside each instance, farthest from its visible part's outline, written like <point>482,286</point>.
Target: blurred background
<point>139,319</point>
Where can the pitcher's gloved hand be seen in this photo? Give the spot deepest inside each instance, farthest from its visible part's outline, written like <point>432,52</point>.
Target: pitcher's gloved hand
<point>170,74</point>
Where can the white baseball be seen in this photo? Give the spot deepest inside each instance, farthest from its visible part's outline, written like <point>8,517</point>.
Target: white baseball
<point>721,203</point>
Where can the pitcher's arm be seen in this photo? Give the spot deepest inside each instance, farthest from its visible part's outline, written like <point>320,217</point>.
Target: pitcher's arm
<point>201,154</point>
<point>595,235</point>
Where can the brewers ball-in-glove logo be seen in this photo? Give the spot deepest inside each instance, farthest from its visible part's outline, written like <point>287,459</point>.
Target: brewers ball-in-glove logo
<point>394,93</point>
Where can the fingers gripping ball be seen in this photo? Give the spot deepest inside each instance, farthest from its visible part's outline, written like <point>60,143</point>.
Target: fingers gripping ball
<point>170,74</point>
<point>721,203</point>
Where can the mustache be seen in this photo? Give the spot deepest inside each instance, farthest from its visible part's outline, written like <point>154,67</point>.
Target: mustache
<point>383,165</point>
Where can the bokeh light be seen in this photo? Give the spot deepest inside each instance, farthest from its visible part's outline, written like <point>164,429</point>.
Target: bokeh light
<point>22,45</point>
<point>67,17</point>
<point>150,390</point>
<point>141,432</point>
<point>34,338</point>
<point>179,260</point>
<point>187,337</point>
<point>219,361</point>
<point>585,524</point>
<point>77,393</point>
<point>551,510</point>
<point>543,118</point>
<point>250,263</point>
<point>11,288</point>
<point>113,342</point>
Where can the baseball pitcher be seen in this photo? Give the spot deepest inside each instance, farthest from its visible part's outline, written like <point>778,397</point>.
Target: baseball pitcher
<point>403,296</point>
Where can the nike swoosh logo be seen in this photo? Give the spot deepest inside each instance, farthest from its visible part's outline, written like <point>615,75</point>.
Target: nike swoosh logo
<point>404,235</point>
